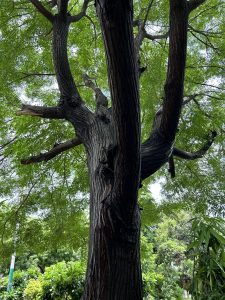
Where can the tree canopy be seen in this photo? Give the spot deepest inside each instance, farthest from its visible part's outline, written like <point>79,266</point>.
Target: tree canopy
<point>56,190</point>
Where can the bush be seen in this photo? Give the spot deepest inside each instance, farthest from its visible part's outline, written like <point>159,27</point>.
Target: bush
<point>63,281</point>
<point>13,295</point>
<point>33,290</point>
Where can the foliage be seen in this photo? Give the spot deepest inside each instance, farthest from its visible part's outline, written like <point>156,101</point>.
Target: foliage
<point>33,290</point>
<point>63,281</point>
<point>209,258</point>
<point>12,295</point>
<point>165,261</point>
<point>49,201</point>
<point>20,279</point>
<point>56,192</point>
<point>178,252</point>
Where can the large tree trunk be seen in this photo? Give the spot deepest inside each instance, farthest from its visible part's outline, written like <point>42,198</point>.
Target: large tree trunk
<point>113,151</point>
<point>114,270</point>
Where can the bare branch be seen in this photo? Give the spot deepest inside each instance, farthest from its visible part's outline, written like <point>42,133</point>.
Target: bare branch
<point>203,11</point>
<point>43,10</point>
<point>209,85</point>
<point>193,97</point>
<point>199,107</point>
<point>188,99</point>
<point>155,37</point>
<point>142,34</point>
<point>206,42</point>
<point>56,150</point>
<point>197,154</point>
<point>101,99</point>
<point>207,33</point>
<point>7,143</point>
<point>41,111</point>
<point>156,151</point>
<point>193,4</point>
<point>79,16</point>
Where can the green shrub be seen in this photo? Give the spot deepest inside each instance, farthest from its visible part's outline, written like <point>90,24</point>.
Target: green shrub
<point>63,281</point>
<point>33,290</point>
<point>15,294</point>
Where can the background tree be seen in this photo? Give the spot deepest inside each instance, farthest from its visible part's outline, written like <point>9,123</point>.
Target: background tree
<point>111,137</point>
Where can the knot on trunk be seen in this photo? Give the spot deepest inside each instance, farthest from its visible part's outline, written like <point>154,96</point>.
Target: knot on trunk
<point>106,167</point>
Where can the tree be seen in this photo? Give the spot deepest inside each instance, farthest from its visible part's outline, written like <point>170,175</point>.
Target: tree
<point>117,163</point>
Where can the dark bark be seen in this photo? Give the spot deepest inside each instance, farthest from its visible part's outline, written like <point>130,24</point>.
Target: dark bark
<point>116,21</point>
<point>176,67</point>
<point>114,160</point>
<point>114,264</point>
<point>79,16</point>
<point>197,154</point>
<point>193,4</point>
<point>158,148</point>
<point>70,101</point>
<point>41,111</point>
<point>56,150</point>
<point>42,10</point>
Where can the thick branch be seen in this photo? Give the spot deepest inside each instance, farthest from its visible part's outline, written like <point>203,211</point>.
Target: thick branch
<point>56,150</point>
<point>197,154</point>
<point>155,152</point>
<point>174,85</point>
<point>67,87</point>
<point>155,37</point>
<point>79,16</point>
<point>193,4</point>
<point>42,10</point>
<point>189,155</point>
<point>41,111</point>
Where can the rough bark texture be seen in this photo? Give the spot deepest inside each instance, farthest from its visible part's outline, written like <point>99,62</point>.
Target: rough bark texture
<point>114,260</point>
